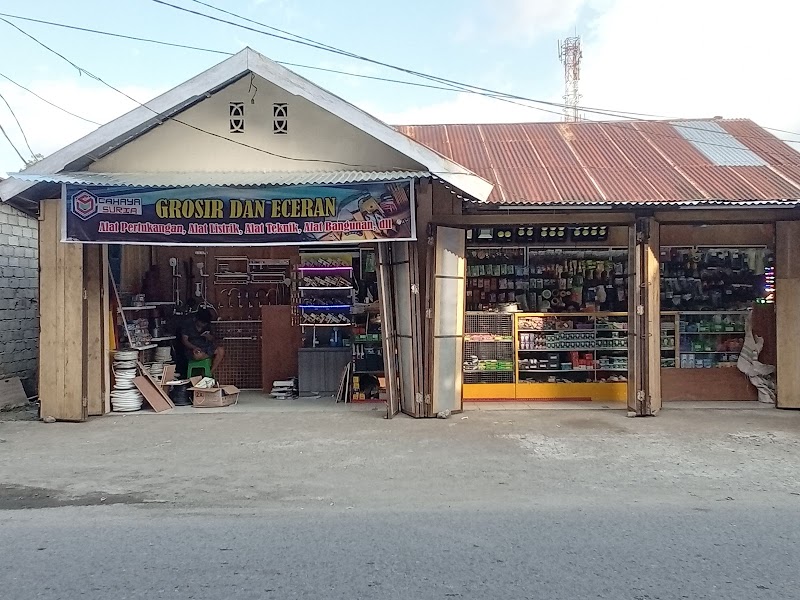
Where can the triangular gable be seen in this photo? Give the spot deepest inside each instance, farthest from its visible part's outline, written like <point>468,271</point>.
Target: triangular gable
<point>123,130</point>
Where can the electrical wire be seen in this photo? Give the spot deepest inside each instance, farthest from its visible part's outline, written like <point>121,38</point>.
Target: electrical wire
<point>117,35</point>
<point>455,85</point>
<point>46,101</point>
<point>21,130</point>
<point>22,158</point>
<point>464,88</point>
<point>83,71</point>
<point>504,98</point>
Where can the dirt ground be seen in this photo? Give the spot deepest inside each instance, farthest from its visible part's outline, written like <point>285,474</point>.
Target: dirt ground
<point>357,459</point>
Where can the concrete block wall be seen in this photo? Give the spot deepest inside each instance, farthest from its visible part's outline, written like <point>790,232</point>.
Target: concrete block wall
<point>19,296</point>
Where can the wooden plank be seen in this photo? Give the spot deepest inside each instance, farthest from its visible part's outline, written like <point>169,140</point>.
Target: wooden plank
<point>280,341</point>
<point>50,352</point>
<point>158,389</point>
<point>106,332</point>
<point>152,393</point>
<point>720,384</point>
<point>635,324</point>
<point>652,309</point>
<point>73,308</point>
<point>787,292</point>
<point>732,234</point>
<point>787,313</point>
<point>61,370</point>
<point>93,324</point>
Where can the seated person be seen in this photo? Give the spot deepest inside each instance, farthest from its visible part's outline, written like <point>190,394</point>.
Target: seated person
<point>198,341</point>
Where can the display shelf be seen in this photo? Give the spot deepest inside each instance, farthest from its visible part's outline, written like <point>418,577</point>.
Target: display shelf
<point>324,269</point>
<point>348,324</point>
<point>165,338</point>
<point>144,347</point>
<point>576,346</point>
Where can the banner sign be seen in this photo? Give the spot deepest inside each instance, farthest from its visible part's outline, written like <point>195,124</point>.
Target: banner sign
<point>260,216</point>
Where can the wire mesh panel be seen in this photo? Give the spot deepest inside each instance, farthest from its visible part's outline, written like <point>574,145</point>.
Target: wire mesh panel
<point>489,348</point>
<point>242,343</point>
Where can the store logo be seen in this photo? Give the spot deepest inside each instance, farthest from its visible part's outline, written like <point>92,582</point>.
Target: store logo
<point>84,204</point>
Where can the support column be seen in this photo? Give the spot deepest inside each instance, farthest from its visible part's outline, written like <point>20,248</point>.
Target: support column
<point>787,312</point>
<point>62,362</point>
<point>644,348</point>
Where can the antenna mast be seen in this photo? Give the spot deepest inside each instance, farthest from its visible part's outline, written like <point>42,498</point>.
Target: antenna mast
<point>570,55</point>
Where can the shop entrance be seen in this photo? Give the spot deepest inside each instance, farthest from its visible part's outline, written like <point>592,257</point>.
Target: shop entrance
<point>325,323</point>
<point>547,314</point>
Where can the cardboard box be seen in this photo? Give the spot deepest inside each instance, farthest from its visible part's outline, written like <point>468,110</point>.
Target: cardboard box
<point>215,397</point>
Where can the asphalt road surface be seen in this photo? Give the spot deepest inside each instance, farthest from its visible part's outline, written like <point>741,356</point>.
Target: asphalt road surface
<point>617,552</point>
<point>557,505</point>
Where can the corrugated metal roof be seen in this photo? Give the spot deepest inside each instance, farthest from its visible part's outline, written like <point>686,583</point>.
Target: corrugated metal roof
<point>718,162</point>
<point>719,146</point>
<point>228,179</point>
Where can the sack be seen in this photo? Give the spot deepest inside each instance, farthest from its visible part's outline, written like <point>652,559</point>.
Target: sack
<point>761,376</point>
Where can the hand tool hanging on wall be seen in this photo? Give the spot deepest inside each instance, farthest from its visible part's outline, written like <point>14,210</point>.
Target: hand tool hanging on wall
<point>176,286</point>
<point>187,283</point>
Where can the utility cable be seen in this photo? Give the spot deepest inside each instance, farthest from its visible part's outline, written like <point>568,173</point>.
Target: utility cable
<point>22,158</point>
<point>501,96</point>
<point>21,130</point>
<point>83,71</point>
<point>456,86</point>
<point>46,101</point>
<point>323,161</point>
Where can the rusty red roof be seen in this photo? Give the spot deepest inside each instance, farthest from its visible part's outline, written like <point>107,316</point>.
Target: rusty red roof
<point>622,162</point>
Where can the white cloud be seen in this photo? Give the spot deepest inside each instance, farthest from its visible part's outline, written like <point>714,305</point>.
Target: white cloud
<point>689,58</point>
<point>49,129</point>
<point>463,108</point>
<point>524,21</point>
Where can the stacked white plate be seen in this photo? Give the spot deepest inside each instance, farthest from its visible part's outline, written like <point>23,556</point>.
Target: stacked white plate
<point>156,369</point>
<point>163,354</point>
<point>125,397</point>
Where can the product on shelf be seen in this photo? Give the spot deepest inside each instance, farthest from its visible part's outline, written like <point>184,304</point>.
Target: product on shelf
<point>585,348</point>
<point>702,340</point>
<point>694,279</point>
<point>489,348</point>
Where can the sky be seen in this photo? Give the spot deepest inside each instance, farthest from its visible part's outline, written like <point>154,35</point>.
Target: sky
<point>676,59</point>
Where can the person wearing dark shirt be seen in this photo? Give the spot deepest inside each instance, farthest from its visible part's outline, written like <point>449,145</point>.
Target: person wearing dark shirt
<point>199,342</point>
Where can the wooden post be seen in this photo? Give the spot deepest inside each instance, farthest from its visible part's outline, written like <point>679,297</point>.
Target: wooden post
<point>644,348</point>
<point>93,328</point>
<point>61,305</point>
<point>787,312</point>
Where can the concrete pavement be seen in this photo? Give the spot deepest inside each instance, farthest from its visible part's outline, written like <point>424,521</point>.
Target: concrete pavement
<point>524,504</point>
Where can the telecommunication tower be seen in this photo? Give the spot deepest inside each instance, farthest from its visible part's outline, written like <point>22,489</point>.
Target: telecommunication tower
<point>570,54</point>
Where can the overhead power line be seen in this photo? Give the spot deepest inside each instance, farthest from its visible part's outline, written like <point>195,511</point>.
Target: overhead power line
<point>449,87</point>
<point>83,71</point>
<point>488,95</point>
<point>455,85</point>
<point>19,125</point>
<point>46,101</point>
<point>22,158</point>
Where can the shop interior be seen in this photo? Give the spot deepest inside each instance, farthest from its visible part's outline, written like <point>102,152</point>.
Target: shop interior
<point>293,322</point>
<point>547,314</point>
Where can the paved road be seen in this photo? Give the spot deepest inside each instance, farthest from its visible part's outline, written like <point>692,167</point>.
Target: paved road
<point>572,505</point>
<point>621,552</point>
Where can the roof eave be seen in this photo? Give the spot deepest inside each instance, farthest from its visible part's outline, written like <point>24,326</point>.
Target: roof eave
<point>139,120</point>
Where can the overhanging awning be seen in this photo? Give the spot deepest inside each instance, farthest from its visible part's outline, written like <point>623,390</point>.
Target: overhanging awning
<point>222,179</point>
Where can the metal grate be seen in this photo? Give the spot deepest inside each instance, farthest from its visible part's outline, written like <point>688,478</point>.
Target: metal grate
<point>242,343</point>
<point>483,322</point>
<point>486,352</point>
